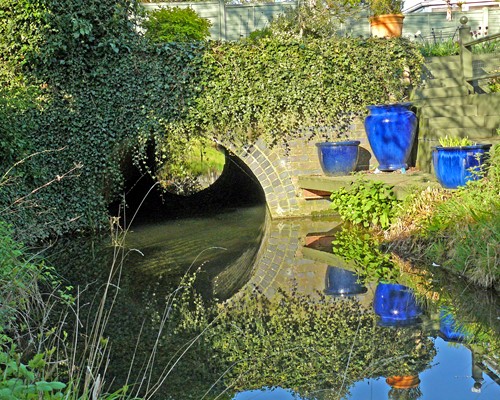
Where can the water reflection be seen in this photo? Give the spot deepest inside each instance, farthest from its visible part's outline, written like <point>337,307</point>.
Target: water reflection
<point>342,282</point>
<point>396,305</point>
<point>278,328</point>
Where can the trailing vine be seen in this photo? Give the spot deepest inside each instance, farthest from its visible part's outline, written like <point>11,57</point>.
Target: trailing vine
<point>92,87</point>
<point>96,91</point>
<point>281,88</point>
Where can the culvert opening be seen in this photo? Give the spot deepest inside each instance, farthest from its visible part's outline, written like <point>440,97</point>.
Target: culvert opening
<point>235,186</point>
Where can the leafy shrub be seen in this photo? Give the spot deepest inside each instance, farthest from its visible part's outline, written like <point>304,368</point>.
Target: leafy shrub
<point>383,7</point>
<point>366,203</point>
<point>494,83</point>
<point>311,20</point>
<point>93,86</point>
<point>278,88</point>
<point>18,281</point>
<point>454,141</point>
<point>464,232</point>
<point>443,48</point>
<point>459,230</point>
<point>294,338</point>
<point>372,264</point>
<point>101,93</point>
<point>176,25</point>
<point>21,381</point>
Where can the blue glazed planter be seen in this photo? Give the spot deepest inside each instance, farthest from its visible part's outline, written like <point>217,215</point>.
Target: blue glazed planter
<point>391,132</point>
<point>449,329</point>
<point>395,304</point>
<point>454,166</point>
<point>338,158</point>
<point>342,282</point>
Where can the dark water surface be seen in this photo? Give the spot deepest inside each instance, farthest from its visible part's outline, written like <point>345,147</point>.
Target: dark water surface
<point>237,250</point>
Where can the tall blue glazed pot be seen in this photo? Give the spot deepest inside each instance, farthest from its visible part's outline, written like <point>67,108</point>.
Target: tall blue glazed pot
<point>342,282</point>
<point>338,158</point>
<point>455,166</point>
<point>395,304</point>
<point>391,131</point>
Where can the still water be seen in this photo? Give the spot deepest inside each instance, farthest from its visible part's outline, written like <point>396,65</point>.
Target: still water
<point>292,342</point>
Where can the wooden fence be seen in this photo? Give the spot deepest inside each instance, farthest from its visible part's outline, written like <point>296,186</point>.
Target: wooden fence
<point>233,22</point>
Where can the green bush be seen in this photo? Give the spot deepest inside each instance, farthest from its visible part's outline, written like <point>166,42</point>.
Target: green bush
<point>320,19</point>
<point>92,88</point>
<point>461,232</point>
<point>360,247</point>
<point>176,25</point>
<point>21,381</point>
<point>278,88</point>
<point>18,281</point>
<point>464,232</point>
<point>443,48</point>
<point>371,204</point>
<point>99,93</point>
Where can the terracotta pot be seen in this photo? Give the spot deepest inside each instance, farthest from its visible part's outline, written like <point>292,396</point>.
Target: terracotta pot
<point>403,382</point>
<point>389,25</point>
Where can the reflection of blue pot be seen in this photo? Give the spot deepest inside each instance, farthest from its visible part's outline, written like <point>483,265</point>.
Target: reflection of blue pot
<point>342,282</point>
<point>391,132</point>
<point>338,158</point>
<point>449,329</point>
<point>453,165</point>
<point>395,304</point>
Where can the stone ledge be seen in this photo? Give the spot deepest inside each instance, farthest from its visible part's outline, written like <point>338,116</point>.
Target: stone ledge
<point>404,184</point>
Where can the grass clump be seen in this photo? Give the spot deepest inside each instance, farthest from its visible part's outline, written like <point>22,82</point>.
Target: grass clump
<point>460,230</point>
<point>443,48</point>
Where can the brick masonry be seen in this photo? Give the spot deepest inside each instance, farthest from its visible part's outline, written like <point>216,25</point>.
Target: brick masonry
<point>281,264</point>
<point>277,169</point>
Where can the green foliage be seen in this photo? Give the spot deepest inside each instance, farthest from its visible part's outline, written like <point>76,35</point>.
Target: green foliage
<point>176,25</point>
<point>18,281</point>
<point>442,48</point>
<point>372,264</point>
<point>463,232</point>
<point>451,47</point>
<point>278,89</point>
<point>310,344</point>
<point>382,7</point>
<point>22,277</point>
<point>96,93</point>
<point>494,83</point>
<point>21,381</point>
<point>16,100</point>
<point>260,34</point>
<point>311,20</point>
<point>101,92</point>
<point>454,141</point>
<point>371,204</point>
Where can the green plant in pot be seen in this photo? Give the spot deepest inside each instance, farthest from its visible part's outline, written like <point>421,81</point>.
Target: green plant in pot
<point>386,18</point>
<point>458,160</point>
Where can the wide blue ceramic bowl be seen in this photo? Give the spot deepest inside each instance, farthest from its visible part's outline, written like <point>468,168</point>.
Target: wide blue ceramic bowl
<point>455,166</point>
<point>449,329</point>
<point>338,158</point>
